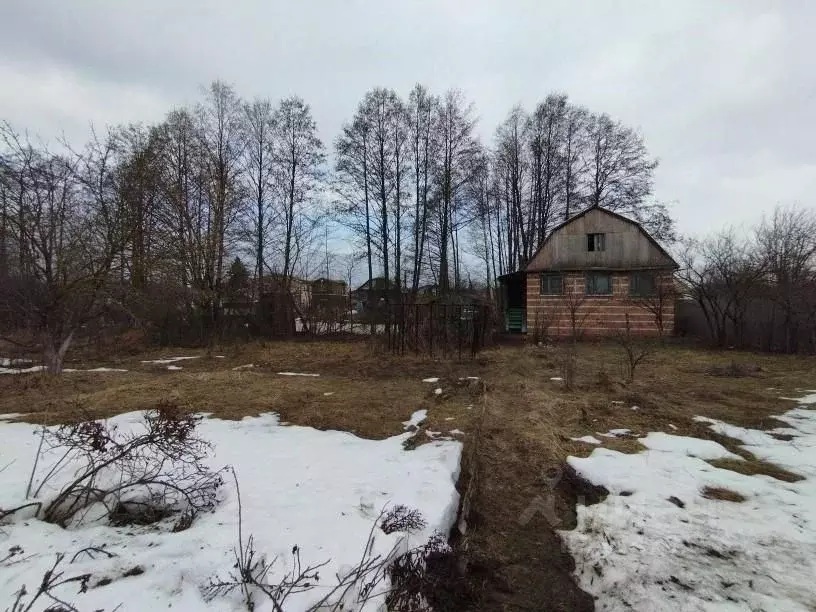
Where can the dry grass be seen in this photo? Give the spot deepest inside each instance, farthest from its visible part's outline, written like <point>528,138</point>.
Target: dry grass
<point>359,391</point>
<point>513,553</point>
<point>754,467</point>
<point>722,494</point>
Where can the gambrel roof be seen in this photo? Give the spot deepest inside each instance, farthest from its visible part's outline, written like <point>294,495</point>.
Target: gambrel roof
<point>627,245</point>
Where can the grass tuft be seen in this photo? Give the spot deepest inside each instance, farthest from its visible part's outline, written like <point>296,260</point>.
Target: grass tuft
<point>754,467</point>
<point>722,494</point>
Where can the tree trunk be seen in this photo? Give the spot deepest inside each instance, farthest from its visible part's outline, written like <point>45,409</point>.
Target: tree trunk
<point>54,356</point>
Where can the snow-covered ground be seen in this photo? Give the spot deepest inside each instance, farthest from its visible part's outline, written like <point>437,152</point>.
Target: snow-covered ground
<point>319,490</point>
<point>641,550</point>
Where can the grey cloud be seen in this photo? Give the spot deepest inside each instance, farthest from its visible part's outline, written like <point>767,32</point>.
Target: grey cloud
<point>723,92</point>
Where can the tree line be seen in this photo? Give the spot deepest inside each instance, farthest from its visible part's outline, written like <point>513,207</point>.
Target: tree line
<point>754,290</point>
<point>142,222</point>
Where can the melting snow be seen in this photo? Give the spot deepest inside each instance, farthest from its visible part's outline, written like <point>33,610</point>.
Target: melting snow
<point>430,380</point>
<point>296,374</point>
<point>416,418</point>
<point>30,370</point>
<point>319,490</point>
<point>174,367</point>
<point>587,439</point>
<point>244,367</point>
<point>615,433</point>
<point>643,552</point>
<point>170,360</point>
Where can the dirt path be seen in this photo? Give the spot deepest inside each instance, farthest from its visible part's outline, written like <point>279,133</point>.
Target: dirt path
<point>514,556</point>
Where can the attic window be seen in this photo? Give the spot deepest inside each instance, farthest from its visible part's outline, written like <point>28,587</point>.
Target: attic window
<point>596,242</point>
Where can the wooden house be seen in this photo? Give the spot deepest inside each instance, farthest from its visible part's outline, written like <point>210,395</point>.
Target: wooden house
<point>592,275</point>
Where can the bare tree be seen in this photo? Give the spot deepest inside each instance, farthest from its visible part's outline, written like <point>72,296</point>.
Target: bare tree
<point>68,225</point>
<point>787,248</point>
<point>258,158</point>
<point>220,132</point>
<point>352,179</point>
<point>658,302</point>
<point>454,127</point>
<point>298,167</point>
<point>721,274</point>
<point>421,111</point>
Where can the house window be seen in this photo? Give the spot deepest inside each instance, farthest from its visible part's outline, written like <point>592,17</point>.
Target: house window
<point>598,283</point>
<point>642,284</point>
<point>596,242</point>
<point>552,284</point>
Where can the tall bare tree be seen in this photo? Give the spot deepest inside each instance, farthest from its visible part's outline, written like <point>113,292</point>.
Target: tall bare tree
<point>298,168</point>
<point>258,158</point>
<point>422,108</point>
<point>454,126</point>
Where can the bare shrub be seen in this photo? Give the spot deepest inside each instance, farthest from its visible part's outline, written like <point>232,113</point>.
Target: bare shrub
<point>351,589</point>
<point>51,580</point>
<point>413,576</point>
<point>635,350</point>
<point>568,364</point>
<point>404,519</point>
<point>136,477</point>
<point>542,322</point>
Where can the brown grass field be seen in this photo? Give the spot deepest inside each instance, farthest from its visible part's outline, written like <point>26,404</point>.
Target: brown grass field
<point>517,422</point>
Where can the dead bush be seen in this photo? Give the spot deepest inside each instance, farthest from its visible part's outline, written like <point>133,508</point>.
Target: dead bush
<point>404,519</point>
<point>52,579</point>
<point>568,364</point>
<point>352,588</point>
<point>635,350</point>
<point>134,477</point>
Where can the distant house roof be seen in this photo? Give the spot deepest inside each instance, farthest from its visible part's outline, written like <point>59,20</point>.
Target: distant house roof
<point>378,283</point>
<point>618,216</point>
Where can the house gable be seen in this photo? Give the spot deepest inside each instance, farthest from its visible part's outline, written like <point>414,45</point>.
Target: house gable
<point>626,245</point>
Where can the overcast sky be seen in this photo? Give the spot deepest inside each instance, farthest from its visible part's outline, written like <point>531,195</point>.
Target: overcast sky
<point>724,92</point>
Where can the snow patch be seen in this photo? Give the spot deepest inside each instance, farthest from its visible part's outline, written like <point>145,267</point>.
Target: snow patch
<point>587,439</point>
<point>416,418</point>
<point>437,391</point>
<point>319,490</point>
<point>244,367</point>
<point>615,433</point>
<point>30,370</point>
<point>430,380</point>
<point>296,374</point>
<point>174,367</point>
<point>640,551</point>
<point>170,360</point>
<point>682,445</point>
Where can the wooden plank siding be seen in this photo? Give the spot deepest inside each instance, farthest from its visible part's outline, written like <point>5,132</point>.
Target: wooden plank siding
<point>598,315</point>
<point>627,246</point>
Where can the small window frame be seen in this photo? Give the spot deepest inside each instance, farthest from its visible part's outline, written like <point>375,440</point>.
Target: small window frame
<point>590,284</point>
<point>635,286</point>
<point>596,242</point>
<point>544,286</point>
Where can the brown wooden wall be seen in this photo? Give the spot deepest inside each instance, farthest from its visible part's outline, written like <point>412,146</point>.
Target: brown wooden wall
<point>627,246</point>
<point>595,315</point>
